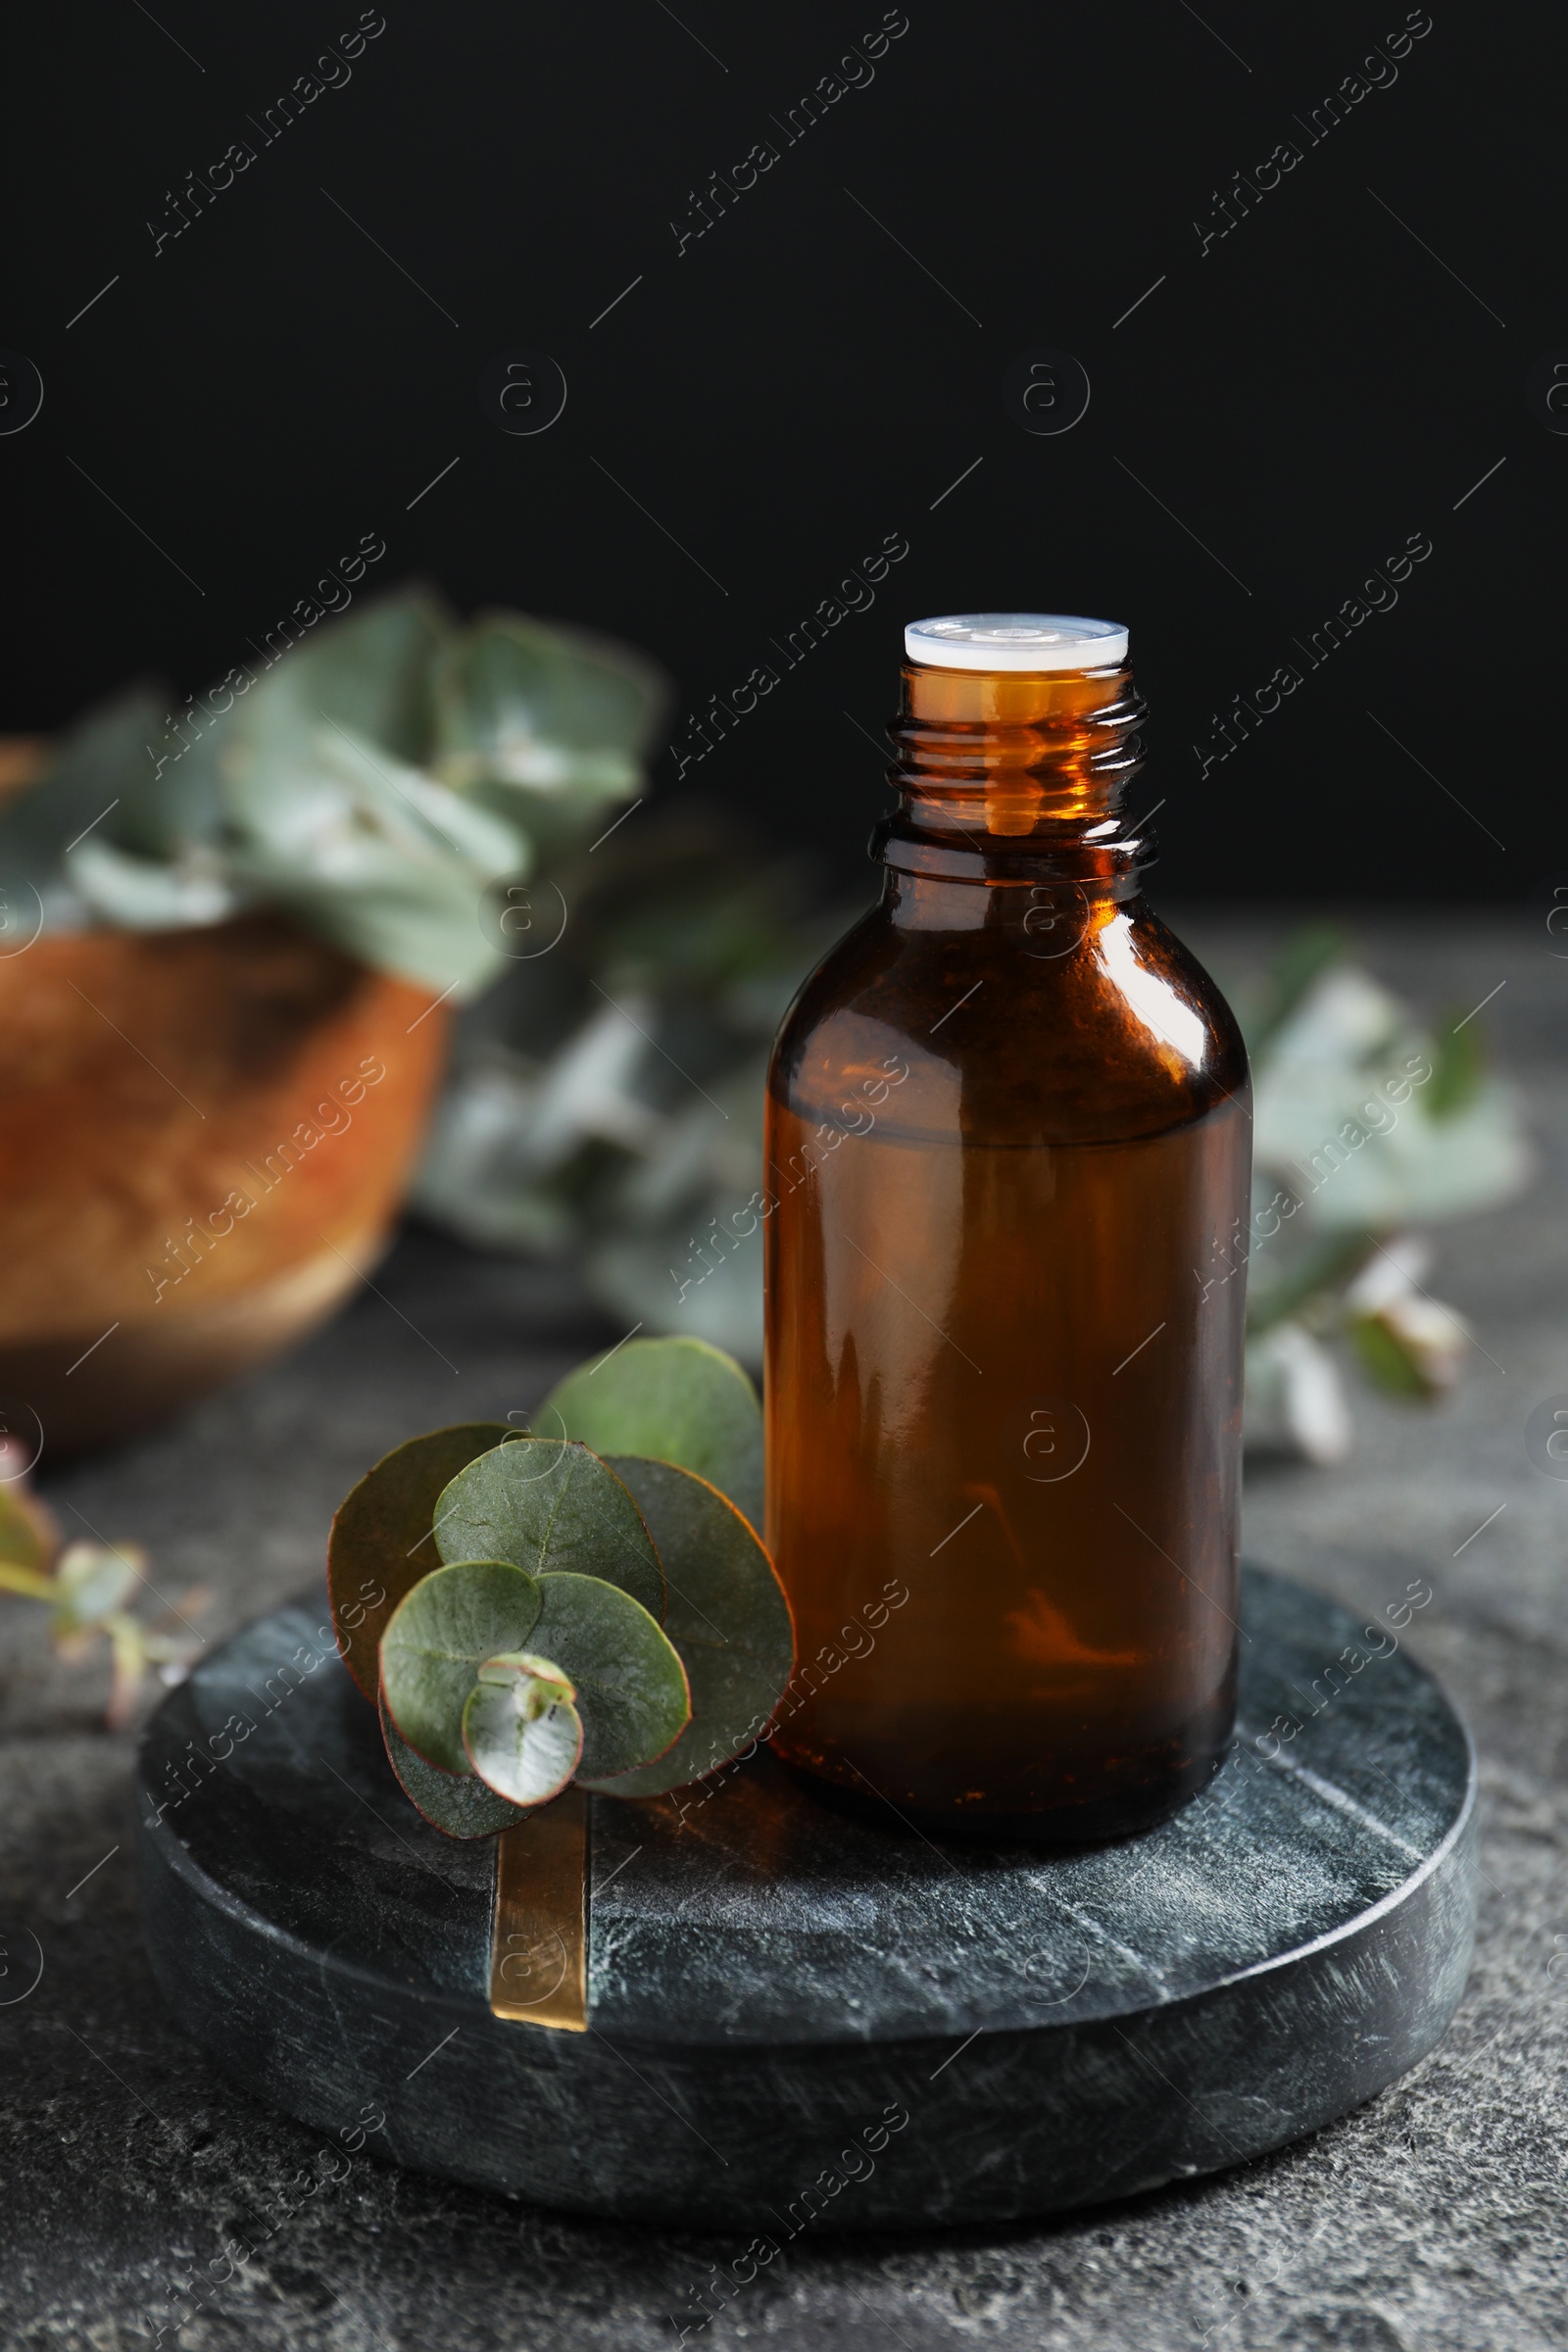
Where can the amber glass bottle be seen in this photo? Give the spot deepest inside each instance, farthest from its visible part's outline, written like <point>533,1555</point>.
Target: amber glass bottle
<point>1008,1146</point>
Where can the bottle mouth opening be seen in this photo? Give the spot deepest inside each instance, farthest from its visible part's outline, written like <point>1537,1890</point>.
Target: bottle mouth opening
<point>1042,643</point>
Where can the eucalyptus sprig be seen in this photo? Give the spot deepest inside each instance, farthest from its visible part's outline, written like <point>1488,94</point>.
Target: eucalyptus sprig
<point>589,1601</point>
<point>380,782</point>
<point>88,1590</point>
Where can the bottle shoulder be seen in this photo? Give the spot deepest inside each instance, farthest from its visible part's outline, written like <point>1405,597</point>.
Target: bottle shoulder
<point>1105,1030</point>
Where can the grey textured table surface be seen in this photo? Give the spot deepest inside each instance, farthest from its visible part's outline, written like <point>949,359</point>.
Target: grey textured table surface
<point>1432,2217</point>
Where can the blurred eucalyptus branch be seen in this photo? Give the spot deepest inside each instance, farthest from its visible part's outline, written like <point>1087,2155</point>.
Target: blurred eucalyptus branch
<point>88,1590</point>
<point>607,1095</point>
<point>1368,1126</point>
<point>378,781</point>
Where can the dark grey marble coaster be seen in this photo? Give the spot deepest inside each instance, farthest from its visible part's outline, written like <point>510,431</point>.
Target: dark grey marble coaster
<point>796,2020</point>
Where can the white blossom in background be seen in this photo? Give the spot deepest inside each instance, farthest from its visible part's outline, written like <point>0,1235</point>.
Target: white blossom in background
<point>1386,1302</point>
<point>1295,1401</point>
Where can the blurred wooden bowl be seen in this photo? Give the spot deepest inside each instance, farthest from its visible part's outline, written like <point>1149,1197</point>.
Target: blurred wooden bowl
<point>206,1135</point>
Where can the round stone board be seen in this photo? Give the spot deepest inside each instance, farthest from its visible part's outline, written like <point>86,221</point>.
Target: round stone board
<point>795,2019</point>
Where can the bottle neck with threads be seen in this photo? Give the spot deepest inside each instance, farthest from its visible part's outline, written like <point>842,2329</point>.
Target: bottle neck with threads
<point>1013,775</point>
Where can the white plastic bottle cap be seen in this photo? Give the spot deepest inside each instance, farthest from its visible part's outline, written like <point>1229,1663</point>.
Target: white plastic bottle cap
<point>1016,641</point>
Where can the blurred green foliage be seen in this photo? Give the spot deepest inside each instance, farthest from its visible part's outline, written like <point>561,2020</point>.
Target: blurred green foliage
<point>379,781</point>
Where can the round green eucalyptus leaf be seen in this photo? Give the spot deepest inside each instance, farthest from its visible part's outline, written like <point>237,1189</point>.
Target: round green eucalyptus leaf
<point>727,1615</point>
<point>520,1730</point>
<point>369,670</point>
<point>671,1401</point>
<point>554,717</point>
<point>380,1543</point>
<point>458,1806</point>
<point>440,1636</point>
<point>631,1687</point>
<point>550,1505</point>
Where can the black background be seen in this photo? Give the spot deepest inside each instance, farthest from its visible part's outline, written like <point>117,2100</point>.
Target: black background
<point>795,384</point>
